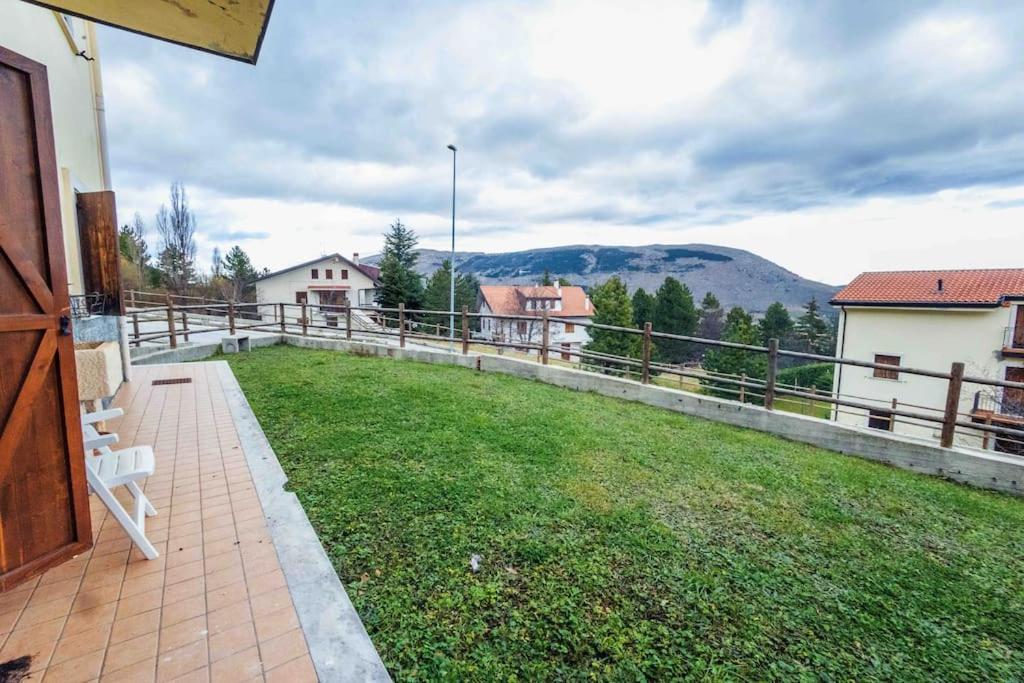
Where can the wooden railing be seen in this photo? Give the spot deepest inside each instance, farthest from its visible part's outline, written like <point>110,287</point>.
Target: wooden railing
<point>401,325</point>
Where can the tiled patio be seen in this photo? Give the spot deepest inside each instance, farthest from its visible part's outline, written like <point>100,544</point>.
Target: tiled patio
<point>214,605</point>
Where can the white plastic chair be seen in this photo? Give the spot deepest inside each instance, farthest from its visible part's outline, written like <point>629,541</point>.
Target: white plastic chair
<point>106,469</point>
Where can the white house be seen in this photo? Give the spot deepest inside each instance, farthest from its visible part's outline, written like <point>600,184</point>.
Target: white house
<point>929,320</point>
<point>326,284</point>
<point>570,303</point>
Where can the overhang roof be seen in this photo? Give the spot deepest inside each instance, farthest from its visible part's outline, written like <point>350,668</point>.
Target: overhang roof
<point>369,271</point>
<point>232,29</point>
<point>920,288</point>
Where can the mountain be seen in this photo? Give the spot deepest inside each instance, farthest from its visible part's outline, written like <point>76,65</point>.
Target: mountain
<point>735,276</point>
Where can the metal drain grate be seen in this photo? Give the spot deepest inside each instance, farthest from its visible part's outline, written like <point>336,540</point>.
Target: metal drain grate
<point>177,380</point>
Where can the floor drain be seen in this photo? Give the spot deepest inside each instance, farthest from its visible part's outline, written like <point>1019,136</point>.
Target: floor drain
<point>177,380</point>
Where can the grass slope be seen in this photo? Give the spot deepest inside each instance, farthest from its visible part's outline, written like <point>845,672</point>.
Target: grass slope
<point>626,542</point>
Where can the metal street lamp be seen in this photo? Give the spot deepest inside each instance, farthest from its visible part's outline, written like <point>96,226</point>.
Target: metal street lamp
<point>451,292</point>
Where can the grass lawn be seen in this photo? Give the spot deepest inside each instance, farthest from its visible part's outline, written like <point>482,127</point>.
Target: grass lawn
<point>619,541</point>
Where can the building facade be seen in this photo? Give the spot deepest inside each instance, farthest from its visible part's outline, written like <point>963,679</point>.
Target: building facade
<point>326,284</point>
<point>929,320</point>
<point>569,303</point>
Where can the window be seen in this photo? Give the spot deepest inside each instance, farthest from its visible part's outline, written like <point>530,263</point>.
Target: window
<point>328,274</point>
<point>344,273</point>
<point>882,373</point>
<point>570,328</point>
<point>880,419</point>
<point>315,274</point>
<point>300,297</point>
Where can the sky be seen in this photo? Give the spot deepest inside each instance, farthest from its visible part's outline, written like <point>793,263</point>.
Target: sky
<point>830,137</point>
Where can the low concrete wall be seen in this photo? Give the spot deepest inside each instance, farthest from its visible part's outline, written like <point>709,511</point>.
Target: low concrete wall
<point>192,352</point>
<point>978,468</point>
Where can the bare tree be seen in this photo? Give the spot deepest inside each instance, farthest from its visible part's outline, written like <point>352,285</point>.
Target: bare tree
<point>177,229</point>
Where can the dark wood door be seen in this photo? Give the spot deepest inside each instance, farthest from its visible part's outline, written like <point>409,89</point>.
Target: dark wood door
<point>1013,399</point>
<point>1018,329</point>
<point>44,509</point>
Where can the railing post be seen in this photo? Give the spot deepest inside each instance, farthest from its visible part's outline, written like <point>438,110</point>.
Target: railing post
<point>743,388</point>
<point>465,330</point>
<point>892,416</point>
<point>170,323</point>
<point>231,317</point>
<point>545,339</point>
<point>184,325</point>
<point>810,401</point>
<point>645,373</point>
<point>135,327</point>
<point>773,369</point>
<point>956,382</point>
<point>131,298</point>
<point>348,320</point>
<point>280,307</point>
<point>305,321</point>
<point>401,325</point>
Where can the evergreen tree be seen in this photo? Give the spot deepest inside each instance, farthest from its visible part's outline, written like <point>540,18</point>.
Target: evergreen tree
<point>545,279</point>
<point>612,307</point>
<point>710,318</point>
<point>239,272</point>
<point>739,328</point>
<point>643,308</point>
<point>564,282</point>
<point>674,313</point>
<point>133,247</point>
<point>776,324</point>
<point>400,283</point>
<point>437,296</point>
<point>813,333</point>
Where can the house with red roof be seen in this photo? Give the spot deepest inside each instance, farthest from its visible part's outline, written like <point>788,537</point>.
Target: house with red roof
<point>930,319</point>
<point>568,303</point>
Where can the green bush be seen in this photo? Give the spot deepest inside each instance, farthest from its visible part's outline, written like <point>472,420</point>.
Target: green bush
<point>818,375</point>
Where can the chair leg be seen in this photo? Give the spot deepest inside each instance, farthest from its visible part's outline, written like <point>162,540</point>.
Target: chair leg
<point>126,521</point>
<point>134,489</point>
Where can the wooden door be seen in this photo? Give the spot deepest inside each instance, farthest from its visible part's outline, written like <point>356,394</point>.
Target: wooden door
<point>1013,399</point>
<point>1018,328</point>
<point>44,509</point>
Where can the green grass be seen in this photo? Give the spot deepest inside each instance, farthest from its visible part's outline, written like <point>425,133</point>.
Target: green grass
<point>623,542</point>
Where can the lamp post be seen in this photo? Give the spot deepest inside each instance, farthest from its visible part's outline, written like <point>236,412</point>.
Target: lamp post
<point>451,290</point>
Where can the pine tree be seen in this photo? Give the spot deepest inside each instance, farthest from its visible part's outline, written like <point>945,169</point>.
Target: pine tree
<point>545,279</point>
<point>813,333</point>
<point>239,272</point>
<point>710,318</point>
<point>612,307</point>
<point>133,247</point>
<point>739,328</point>
<point>564,282</point>
<point>776,324</point>
<point>674,313</point>
<point>643,308</point>
<point>437,296</point>
<point>400,283</point>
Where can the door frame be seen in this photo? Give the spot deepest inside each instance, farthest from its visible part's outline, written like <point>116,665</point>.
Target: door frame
<point>53,330</point>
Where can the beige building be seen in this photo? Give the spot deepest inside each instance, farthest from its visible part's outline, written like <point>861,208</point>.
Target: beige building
<point>570,303</point>
<point>929,320</point>
<point>325,284</point>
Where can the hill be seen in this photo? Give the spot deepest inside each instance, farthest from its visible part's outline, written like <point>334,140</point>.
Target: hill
<point>735,276</point>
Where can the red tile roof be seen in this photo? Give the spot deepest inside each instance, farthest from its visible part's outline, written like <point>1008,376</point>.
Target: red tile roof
<point>921,287</point>
<point>511,300</point>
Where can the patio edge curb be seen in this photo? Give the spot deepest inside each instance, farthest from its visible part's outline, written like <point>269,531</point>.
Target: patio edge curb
<point>338,643</point>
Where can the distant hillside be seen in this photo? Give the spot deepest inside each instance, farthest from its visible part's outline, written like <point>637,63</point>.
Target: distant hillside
<point>735,276</point>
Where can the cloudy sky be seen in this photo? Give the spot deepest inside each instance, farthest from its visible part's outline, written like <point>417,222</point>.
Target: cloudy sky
<point>830,137</point>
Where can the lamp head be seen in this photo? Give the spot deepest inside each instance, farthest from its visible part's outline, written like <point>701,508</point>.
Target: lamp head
<point>452,148</point>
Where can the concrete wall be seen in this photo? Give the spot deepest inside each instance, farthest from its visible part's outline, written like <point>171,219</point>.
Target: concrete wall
<point>984,470</point>
<point>38,34</point>
<point>931,339</point>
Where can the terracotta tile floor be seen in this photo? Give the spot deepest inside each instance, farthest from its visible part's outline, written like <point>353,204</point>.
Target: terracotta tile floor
<point>213,606</point>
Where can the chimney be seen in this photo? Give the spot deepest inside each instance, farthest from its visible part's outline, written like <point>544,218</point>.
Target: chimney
<point>355,258</point>
<point>939,287</point>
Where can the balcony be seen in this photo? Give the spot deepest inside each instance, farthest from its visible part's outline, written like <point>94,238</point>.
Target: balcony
<point>1013,342</point>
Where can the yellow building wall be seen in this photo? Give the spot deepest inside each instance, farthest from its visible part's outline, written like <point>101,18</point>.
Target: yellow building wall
<point>39,34</point>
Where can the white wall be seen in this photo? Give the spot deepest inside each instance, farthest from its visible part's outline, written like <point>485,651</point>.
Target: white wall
<point>507,330</point>
<point>36,33</point>
<point>930,339</point>
<point>282,288</point>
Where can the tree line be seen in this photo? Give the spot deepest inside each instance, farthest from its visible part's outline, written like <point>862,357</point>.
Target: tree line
<point>175,269</point>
